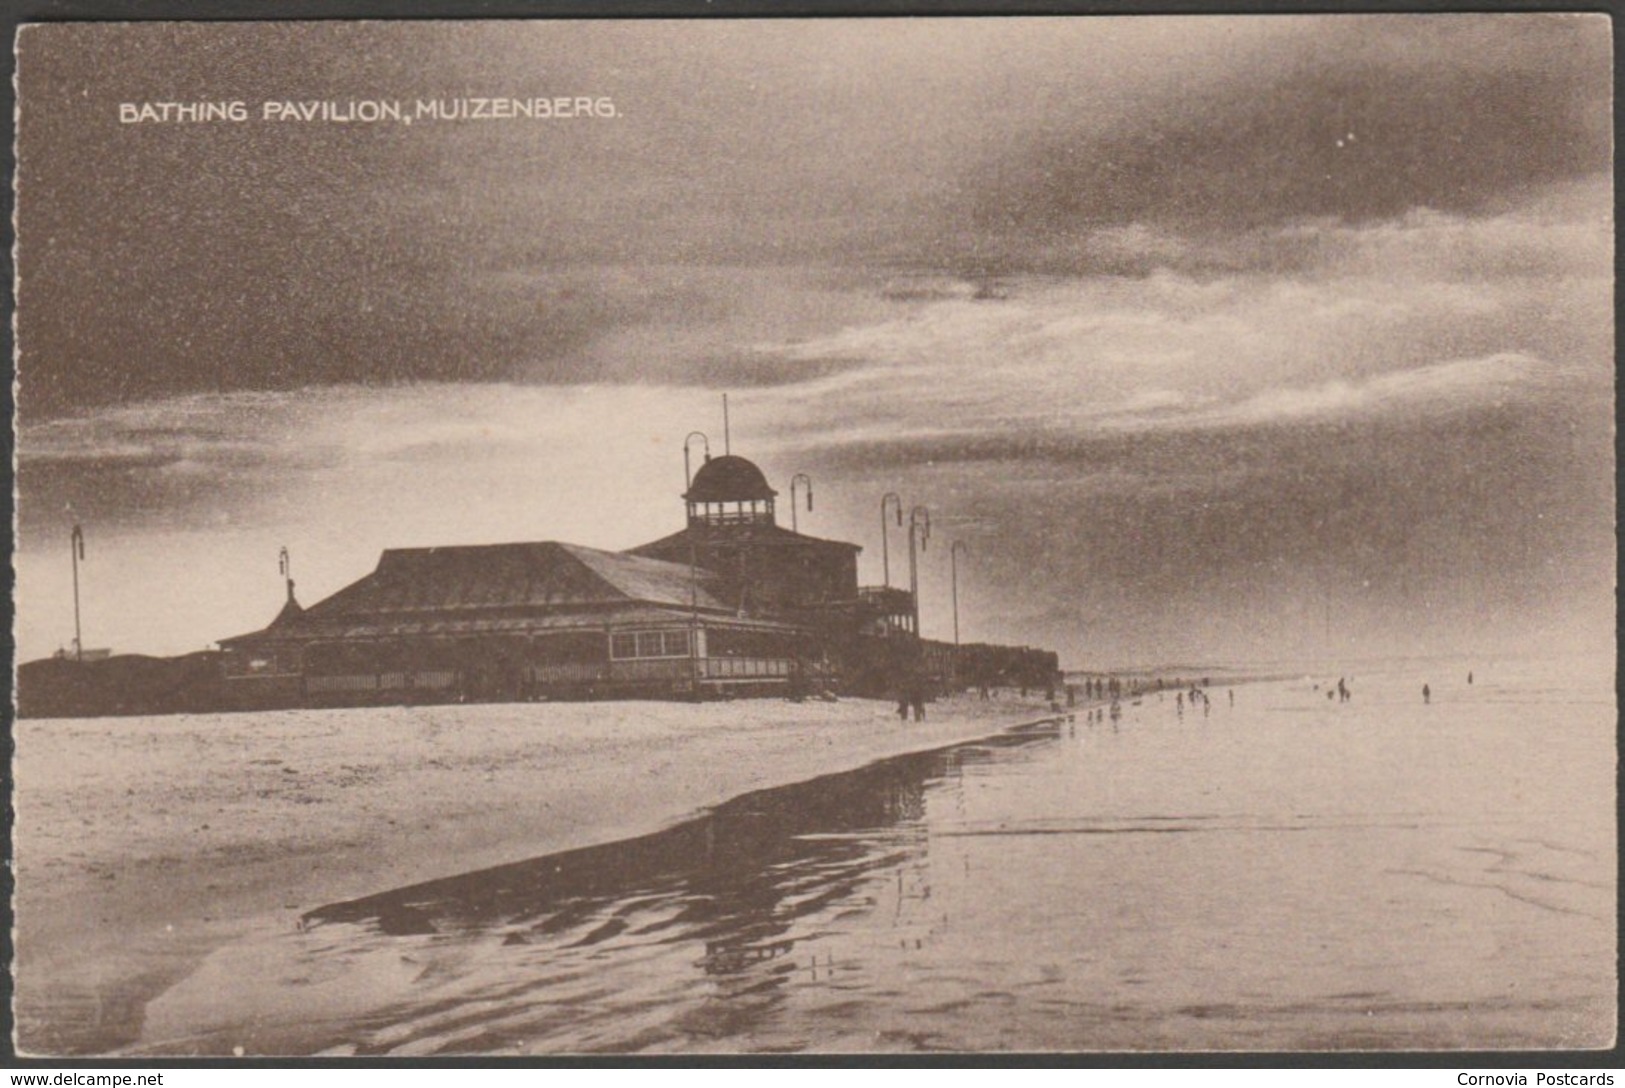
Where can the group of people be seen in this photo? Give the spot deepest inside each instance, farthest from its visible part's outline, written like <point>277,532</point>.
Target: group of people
<point>1340,692</point>
<point>1100,687</point>
<point>911,697</point>
<point>1197,695</point>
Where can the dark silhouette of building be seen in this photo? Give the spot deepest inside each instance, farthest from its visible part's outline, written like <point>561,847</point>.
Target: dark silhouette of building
<point>763,567</point>
<point>732,604</point>
<point>512,621</point>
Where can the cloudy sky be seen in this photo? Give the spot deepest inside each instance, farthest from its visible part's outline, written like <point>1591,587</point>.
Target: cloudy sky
<point>1212,338</point>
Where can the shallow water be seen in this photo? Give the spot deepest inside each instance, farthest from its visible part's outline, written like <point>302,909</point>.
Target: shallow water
<point>1285,873</point>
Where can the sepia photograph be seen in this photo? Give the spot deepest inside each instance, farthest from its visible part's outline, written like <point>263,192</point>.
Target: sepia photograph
<point>1162,601</point>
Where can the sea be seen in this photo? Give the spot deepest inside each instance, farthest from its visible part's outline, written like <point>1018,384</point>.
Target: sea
<point>1265,869</point>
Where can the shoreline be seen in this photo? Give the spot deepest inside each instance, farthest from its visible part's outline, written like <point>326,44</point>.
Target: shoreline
<point>142,844</point>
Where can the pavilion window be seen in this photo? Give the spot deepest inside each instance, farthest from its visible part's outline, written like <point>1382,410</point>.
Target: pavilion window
<point>643,644</point>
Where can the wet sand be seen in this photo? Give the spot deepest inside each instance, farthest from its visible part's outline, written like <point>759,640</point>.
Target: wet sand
<point>142,844</point>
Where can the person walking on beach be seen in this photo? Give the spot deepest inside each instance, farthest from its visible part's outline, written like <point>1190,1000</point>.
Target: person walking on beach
<point>1469,679</point>
<point>1342,691</point>
<point>917,697</point>
<point>1232,692</point>
<point>1427,695</point>
<point>902,706</point>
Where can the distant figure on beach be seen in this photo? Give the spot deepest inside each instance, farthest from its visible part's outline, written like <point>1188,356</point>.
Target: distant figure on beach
<point>1342,691</point>
<point>1232,692</point>
<point>1469,678</point>
<point>1427,695</point>
<point>1179,701</point>
<point>917,697</point>
<point>902,706</point>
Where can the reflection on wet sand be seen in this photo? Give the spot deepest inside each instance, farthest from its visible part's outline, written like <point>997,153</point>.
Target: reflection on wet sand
<point>731,891</point>
<point>734,862</point>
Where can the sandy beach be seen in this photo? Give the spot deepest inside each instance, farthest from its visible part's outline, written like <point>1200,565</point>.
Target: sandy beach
<point>143,843</point>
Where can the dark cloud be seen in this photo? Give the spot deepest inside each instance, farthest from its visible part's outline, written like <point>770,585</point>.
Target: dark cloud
<point>1170,448</point>
<point>162,259</point>
<point>127,493</point>
<point>198,462</point>
<point>1359,119</point>
<point>764,369</point>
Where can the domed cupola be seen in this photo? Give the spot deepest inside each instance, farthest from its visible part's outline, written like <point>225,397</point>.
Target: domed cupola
<point>729,490</point>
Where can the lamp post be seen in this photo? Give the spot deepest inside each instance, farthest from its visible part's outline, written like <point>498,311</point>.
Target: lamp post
<point>688,476</point>
<point>695,666</point>
<point>919,527</point>
<point>885,556</point>
<point>285,565</point>
<point>798,478</point>
<point>953,563</point>
<point>76,546</point>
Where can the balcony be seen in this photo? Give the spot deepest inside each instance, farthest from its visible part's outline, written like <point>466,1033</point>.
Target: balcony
<point>887,599</point>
